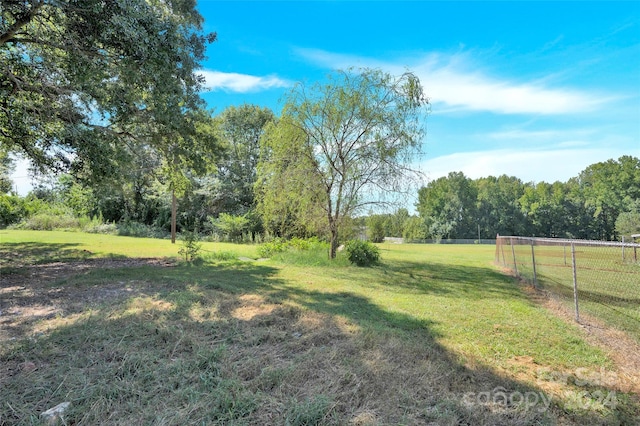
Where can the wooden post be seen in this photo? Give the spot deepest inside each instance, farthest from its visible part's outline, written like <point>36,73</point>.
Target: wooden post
<point>173,216</point>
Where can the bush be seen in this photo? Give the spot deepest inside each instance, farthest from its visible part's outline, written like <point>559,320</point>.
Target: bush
<point>231,227</point>
<point>362,253</point>
<point>190,245</point>
<point>102,228</point>
<point>12,210</point>
<point>136,229</point>
<point>278,245</point>
<point>49,221</point>
<point>268,249</point>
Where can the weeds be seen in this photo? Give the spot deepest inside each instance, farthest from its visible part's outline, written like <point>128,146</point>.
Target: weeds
<point>191,246</point>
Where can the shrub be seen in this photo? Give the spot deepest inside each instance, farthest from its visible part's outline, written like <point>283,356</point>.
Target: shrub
<point>268,249</point>
<point>136,229</point>
<point>304,244</point>
<point>46,221</point>
<point>278,245</point>
<point>190,245</point>
<point>12,210</point>
<point>362,253</point>
<point>103,228</point>
<point>231,227</point>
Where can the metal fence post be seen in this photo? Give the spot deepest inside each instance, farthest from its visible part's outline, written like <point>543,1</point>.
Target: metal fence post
<point>533,260</point>
<point>575,281</point>
<point>623,249</point>
<point>513,253</point>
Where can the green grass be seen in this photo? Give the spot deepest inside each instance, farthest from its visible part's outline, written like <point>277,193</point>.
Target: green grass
<point>608,284</point>
<point>414,340</point>
<point>67,245</point>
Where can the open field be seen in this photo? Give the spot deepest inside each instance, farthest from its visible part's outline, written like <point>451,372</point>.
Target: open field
<point>434,335</point>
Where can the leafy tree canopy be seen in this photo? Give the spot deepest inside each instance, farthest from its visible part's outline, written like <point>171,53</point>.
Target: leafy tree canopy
<point>239,130</point>
<point>343,143</point>
<point>83,79</point>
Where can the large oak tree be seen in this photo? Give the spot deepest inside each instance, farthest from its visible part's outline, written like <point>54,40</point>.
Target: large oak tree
<point>82,82</point>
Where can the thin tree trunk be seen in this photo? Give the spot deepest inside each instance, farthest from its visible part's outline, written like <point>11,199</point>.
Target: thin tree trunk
<point>173,216</point>
<point>334,242</point>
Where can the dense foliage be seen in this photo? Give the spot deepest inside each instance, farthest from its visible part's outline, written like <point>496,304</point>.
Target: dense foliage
<point>84,83</point>
<point>362,253</point>
<point>586,207</point>
<point>339,146</point>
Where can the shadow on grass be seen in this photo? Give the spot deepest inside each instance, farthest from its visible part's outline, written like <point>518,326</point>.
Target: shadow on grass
<point>16,256</point>
<point>233,343</point>
<point>446,280</point>
<point>618,312</point>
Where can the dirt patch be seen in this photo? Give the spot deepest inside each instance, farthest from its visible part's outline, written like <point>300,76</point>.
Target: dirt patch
<point>28,297</point>
<point>252,305</point>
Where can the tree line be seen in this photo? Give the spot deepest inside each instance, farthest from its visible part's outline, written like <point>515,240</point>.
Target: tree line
<point>117,131</point>
<point>601,203</point>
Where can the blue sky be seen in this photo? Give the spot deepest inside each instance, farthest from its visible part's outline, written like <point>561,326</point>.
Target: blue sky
<point>538,90</point>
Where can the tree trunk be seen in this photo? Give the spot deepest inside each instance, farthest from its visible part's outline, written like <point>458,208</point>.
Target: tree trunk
<point>173,216</point>
<point>334,243</point>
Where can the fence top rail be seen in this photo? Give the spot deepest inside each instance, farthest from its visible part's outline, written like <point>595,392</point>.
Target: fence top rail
<point>565,241</point>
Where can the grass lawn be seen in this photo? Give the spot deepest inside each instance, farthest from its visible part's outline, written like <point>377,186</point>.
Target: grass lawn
<point>608,282</point>
<point>435,334</point>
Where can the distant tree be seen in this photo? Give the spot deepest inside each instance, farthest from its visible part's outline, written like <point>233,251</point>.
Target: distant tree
<point>609,188</point>
<point>376,228</point>
<point>345,143</point>
<point>499,210</point>
<point>628,223</point>
<point>414,229</point>
<point>545,207</point>
<point>448,207</point>
<point>396,222</point>
<point>239,129</point>
<point>83,81</point>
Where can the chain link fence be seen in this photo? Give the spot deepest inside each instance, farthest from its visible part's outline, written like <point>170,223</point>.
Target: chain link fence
<point>598,278</point>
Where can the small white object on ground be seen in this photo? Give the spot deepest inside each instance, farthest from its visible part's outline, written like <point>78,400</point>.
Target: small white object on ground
<point>52,414</point>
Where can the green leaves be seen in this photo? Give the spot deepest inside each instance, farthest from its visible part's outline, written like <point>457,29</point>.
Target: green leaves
<point>340,145</point>
<point>83,79</point>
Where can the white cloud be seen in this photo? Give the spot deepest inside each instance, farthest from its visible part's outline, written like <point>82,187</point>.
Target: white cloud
<point>478,92</point>
<point>528,165</point>
<point>240,83</point>
<point>565,136</point>
<point>455,82</point>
